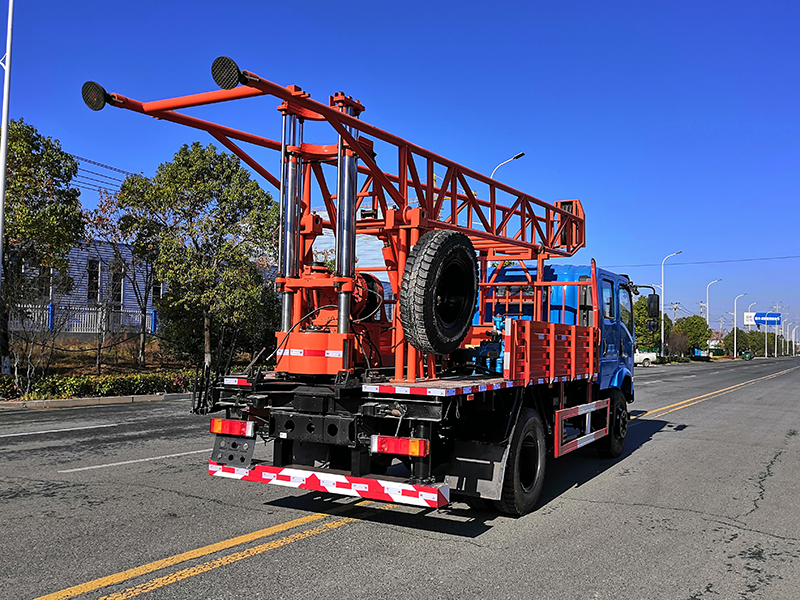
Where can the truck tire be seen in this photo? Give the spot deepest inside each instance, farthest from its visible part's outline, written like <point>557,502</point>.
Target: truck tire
<point>439,290</point>
<point>524,475</point>
<point>613,444</point>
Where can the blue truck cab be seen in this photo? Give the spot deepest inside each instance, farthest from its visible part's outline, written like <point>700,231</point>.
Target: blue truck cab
<point>573,306</point>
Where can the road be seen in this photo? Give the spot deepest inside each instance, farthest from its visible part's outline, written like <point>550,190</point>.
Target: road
<point>113,502</point>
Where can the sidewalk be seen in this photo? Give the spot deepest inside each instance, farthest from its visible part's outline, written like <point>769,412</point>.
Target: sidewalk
<point>103,401</point>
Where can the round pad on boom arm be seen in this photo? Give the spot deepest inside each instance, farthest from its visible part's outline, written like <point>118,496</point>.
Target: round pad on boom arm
<point>438,292</point>
<point>226,73</point>
<point>94,96</point>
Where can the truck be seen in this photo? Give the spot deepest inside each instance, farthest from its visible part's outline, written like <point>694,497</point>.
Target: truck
<point>452,370</point>
<point>643,358</point>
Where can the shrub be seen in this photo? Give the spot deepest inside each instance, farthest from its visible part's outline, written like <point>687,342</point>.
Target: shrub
<point>87,386</point>
<point>8,390</point>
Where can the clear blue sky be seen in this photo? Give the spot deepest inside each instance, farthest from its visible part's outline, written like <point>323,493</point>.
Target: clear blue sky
<point>676,123</point>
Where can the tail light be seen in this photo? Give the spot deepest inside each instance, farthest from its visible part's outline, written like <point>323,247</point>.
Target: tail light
<point>231,427</point>
<point>387,444</point>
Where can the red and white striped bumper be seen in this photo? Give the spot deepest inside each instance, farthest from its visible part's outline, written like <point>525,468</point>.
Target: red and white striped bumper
<point>428,496</point>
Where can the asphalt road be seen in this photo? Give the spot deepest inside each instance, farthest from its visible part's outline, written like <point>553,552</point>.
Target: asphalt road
<point>114,502</point>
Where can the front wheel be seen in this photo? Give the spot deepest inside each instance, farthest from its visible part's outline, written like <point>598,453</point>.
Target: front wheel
<point>613,444</point>
<point>524,476</point>
<point>646,362</point>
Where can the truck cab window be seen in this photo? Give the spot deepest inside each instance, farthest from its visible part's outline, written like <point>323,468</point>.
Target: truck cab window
<point>608,300</point>
<point>626,309</point>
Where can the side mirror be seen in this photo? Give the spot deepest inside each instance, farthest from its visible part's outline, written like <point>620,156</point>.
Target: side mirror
<point>653,306</point>
<point>652,326</point>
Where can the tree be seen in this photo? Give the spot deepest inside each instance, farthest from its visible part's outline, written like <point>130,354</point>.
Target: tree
<point>678,342</point>
<point>742,342</point>
<point>214,221</point>
<point>645,339</point>
<point>695,329</point>
<point>133,235</point>
<point>43,221</point>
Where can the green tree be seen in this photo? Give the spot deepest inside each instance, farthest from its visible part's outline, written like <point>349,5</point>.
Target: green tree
<point>649,340</point>
<point>132,234</point>
<point>43,221</point>
<point>695,329</point>
<point>214,222</point>
<point>745,340</point>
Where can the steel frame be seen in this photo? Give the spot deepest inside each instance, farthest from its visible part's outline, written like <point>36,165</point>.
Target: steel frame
<point>399,204</point>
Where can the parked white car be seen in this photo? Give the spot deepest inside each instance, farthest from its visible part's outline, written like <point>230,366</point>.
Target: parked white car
<point>644,358</point>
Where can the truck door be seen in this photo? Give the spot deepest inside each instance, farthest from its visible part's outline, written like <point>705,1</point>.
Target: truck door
<point>609,345</point>
<point>626,328</point>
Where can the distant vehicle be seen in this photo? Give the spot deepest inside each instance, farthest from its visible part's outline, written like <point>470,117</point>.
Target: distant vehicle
<point>644,358</point>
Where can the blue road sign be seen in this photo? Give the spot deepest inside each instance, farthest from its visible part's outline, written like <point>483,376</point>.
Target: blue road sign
<point>763,318</point>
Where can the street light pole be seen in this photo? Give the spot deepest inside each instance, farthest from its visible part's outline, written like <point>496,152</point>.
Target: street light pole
<point>6,64</point>
<point>515,157</point>
<point>750,327</point>
<point>786,338</point>
<point>708,312</point>
<point>735,327</point>
<point>794,341</point>
<point>664,297</point>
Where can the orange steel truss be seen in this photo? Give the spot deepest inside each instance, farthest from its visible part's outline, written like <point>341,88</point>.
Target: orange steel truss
<point>399,200</point>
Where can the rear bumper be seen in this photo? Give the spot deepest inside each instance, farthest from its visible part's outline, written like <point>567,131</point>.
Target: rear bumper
<point>385,490</point>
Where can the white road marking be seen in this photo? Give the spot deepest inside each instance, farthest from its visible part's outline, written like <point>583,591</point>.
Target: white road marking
<point>714,372</point>
<point>649,382</point>
<point>689,376</point>
<point>138,460</point>
<point>5,435</point>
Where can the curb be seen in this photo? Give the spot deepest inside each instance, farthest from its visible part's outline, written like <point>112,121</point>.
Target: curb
<point>103,401</point>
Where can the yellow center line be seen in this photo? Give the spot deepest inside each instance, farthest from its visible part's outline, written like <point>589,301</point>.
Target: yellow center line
<point>664,410</point>
<point>222,561</point>
<point>96,584</point>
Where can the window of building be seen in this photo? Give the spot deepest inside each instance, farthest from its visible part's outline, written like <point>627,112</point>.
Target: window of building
<point>117,278</point>
<point>157,289</point>
<point>93,282</point>
<point>608,300</point>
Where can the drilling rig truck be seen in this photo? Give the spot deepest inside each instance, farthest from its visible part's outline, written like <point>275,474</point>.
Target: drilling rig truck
<point>454,369</point>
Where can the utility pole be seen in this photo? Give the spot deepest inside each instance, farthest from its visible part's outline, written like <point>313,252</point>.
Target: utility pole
<point>675,307</point>
<point>703,312</point>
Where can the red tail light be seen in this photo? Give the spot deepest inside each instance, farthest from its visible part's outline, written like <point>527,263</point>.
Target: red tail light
<point>231,427</point>
<point>387,444</point>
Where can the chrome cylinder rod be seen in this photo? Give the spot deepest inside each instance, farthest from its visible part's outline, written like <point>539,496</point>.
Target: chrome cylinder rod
<point>346,226</point>
<point>290,213</point>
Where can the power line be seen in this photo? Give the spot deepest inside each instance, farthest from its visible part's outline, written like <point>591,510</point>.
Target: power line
<point>113,186</point>
<point>706,262</point>
<point>100,174</point>
<point>99,164</point>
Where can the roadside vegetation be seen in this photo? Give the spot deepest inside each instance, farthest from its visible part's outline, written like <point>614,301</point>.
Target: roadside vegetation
<point>201,229</point>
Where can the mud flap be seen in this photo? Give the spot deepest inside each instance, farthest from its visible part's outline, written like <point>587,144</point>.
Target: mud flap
<point>476,469</point>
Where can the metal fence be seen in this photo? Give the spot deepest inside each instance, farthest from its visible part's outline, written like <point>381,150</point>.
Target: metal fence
<point>78,319</point>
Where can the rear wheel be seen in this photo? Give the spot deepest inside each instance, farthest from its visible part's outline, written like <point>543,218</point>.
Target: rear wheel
<point>524,476</point>
<point>613,444</point>
<point>646,362</point>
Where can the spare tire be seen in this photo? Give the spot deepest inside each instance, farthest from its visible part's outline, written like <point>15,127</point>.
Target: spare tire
<point>439,290</point>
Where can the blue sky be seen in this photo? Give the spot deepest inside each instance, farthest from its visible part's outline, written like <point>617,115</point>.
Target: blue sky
<point>676,124</point>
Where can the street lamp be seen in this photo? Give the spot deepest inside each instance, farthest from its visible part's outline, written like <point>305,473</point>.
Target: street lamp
<point>786,337</point>
<point>708,312</point>
<point>734,323</point>
<point>664,297</point>
<point>515,157</point>
<point>750,327</point>
<point>794,341</point>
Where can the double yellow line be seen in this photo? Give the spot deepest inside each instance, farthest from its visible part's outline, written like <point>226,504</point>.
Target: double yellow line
<point>664,410</point>
<point>153,584</point>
